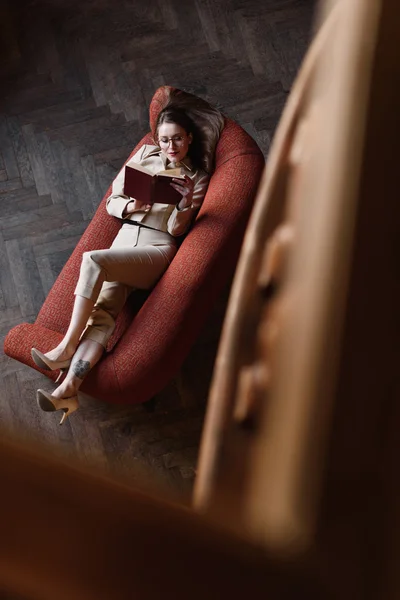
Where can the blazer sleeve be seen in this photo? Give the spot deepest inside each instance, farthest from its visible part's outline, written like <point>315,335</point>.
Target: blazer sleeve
<point>117,202</point>
<point>180,220</point>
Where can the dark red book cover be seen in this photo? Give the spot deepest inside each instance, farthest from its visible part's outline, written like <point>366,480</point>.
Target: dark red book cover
<point>142,185</point>
<point>138,184</point>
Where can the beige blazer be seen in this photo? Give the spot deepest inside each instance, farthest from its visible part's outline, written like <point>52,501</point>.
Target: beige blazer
<point>164,217</point>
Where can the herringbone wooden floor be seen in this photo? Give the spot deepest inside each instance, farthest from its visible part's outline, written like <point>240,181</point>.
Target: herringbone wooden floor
<point>77,80</point>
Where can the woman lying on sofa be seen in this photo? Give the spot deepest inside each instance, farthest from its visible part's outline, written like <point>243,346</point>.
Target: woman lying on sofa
<point>141,252</point>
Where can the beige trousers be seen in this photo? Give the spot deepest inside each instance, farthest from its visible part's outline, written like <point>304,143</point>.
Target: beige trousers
<point>136,260</point>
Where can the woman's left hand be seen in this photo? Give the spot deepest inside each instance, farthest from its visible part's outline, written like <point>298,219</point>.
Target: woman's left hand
<point>184,187</point>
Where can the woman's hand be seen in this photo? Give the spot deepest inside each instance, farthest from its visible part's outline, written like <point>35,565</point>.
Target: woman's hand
<point>184,187</point>
<point>135,205</point>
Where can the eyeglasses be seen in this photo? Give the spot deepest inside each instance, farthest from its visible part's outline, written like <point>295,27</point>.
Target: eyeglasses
<point>177,140</point>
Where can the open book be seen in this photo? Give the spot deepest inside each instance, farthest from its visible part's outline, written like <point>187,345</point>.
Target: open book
<point>143,185</point>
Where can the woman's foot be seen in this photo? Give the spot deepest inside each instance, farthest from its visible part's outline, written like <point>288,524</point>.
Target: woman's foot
<point>58,358</point>
<point>64,398</point>
<point>66,389</point>
<point>60,353</point>
<point>49,403</point>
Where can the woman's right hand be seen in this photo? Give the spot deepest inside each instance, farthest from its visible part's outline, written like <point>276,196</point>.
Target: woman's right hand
<point>135,205</point>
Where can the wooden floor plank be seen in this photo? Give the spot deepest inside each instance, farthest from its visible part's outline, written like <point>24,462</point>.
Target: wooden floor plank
<point>21,154</point>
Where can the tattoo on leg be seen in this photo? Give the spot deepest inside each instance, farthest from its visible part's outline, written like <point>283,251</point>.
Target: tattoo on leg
<point>81,368</point>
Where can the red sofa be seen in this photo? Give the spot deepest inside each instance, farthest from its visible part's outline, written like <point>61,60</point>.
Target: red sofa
<point>155,331</point>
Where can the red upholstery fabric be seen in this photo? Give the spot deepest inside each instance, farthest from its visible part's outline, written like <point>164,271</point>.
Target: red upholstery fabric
<point>152,339</point>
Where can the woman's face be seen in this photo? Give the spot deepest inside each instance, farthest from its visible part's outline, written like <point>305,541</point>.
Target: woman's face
<point>174,141</point>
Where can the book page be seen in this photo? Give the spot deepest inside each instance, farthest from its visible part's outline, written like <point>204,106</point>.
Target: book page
<point>172,173</point>
<point>140,168</point>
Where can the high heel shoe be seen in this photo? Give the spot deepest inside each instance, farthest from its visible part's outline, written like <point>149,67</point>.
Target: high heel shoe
<point>61,375</point>
<point>46,363</point>
<point>48,403</point>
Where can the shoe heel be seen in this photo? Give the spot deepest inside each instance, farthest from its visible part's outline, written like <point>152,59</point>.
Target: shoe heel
<point>60,375</point>
<point>64,417</point>
<point>69,411</point>
<point>48,403</point>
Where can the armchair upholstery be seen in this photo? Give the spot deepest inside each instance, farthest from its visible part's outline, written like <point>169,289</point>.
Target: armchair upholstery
<point>152,338</point>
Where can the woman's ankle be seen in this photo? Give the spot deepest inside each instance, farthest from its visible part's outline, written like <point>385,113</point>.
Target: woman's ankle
<point>63,351</point>
<point>67,389</point>
<point>70,348</point>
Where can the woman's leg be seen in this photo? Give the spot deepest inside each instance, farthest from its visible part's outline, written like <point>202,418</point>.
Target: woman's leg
<point>106,278</point>
<point>150,262</point>
<point>134,266</point>
<point>86,356</point>
<point>81,312</point>
<point>92,275</point>
<point>94,340</point>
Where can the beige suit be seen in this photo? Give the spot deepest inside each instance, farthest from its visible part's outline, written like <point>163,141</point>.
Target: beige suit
<point>138,256</point>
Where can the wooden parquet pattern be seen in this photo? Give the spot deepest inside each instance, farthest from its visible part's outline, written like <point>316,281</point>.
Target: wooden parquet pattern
<point>77,79</point>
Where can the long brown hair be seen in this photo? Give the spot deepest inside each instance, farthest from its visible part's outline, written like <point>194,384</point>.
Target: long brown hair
<point>198,117</point>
